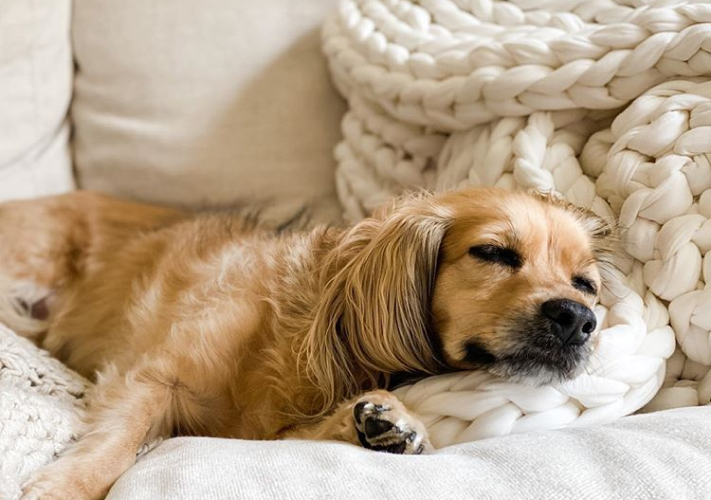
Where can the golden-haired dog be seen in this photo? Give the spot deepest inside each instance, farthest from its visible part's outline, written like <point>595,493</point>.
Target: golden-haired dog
<point>206,325</point>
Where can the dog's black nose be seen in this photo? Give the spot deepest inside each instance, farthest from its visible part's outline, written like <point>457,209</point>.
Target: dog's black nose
<point>571,321</point>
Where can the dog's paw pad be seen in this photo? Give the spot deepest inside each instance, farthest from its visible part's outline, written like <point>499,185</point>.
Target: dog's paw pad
<point>384,428</point>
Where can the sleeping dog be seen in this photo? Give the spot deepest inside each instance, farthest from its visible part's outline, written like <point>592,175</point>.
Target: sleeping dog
<point>207,325</point>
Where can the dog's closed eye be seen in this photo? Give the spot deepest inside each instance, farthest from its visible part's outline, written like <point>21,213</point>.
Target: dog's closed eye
<point>584,285</point>
<point>498,255</point>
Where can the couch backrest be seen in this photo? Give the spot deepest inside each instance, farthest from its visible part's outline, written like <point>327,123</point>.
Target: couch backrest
<point>35,90</point>
<point>198,103</point>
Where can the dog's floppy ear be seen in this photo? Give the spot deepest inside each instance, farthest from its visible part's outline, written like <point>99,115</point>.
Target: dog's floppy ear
<point>374,312</point>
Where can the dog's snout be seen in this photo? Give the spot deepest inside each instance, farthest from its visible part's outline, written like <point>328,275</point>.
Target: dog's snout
<point>572,321</point>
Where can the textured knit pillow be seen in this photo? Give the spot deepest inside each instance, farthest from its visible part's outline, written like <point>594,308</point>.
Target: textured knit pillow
<point>40,408</point>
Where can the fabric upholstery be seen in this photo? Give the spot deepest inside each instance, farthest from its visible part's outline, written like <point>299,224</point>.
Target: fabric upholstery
<point>205,103</point>
<point>35,91</point>
<point>661,455</point>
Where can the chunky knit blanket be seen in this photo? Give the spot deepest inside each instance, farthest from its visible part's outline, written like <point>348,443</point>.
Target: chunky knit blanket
<point>603,101</point>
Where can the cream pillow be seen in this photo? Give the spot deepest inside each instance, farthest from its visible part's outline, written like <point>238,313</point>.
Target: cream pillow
<point>35,90</point>
<point>206,103</point>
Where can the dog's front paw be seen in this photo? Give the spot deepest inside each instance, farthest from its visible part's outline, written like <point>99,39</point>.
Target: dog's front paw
<point>383,424</point>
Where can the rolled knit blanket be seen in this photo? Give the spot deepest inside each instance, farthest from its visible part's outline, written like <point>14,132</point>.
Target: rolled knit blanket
<point>526,95</point>
<point>452,64</point>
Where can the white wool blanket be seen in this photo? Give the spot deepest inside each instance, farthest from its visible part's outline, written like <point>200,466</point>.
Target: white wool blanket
<point>527,94</point>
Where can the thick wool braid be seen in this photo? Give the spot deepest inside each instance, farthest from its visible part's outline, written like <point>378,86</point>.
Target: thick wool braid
<point>454,64</point>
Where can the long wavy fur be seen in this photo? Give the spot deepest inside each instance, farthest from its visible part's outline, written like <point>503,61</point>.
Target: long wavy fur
<point>373,318</point>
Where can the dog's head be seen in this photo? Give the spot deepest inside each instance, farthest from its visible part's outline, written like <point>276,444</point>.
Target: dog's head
<point>478,278</point>
<point>517,278</point>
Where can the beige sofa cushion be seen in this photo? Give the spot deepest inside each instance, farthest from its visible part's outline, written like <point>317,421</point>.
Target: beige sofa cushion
<point>205,103</point>
<point>35,90</point>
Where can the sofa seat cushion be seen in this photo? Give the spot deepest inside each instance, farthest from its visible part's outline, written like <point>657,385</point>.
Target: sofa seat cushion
<point>660,455</point>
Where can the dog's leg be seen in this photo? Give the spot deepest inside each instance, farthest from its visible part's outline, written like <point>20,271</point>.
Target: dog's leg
<point>180,385</point>
<point>125,412</point>
<point>376,420</point>
<point>47,244</point>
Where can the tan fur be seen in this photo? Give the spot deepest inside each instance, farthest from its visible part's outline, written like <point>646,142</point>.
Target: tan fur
<point>205,325</point>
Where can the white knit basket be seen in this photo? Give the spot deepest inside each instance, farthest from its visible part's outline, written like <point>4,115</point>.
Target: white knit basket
<point>446,93</point>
